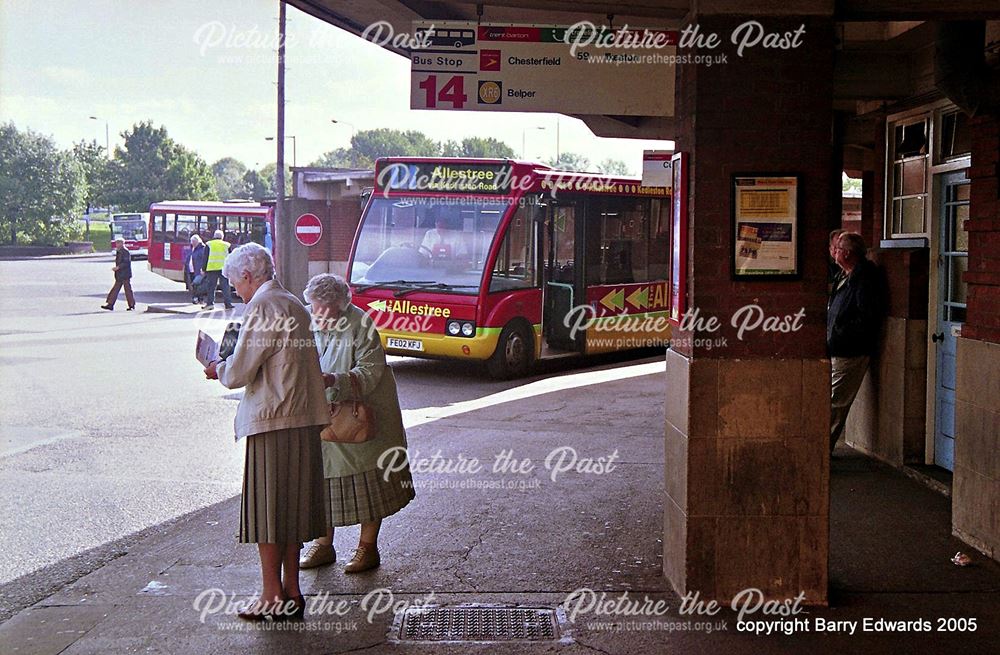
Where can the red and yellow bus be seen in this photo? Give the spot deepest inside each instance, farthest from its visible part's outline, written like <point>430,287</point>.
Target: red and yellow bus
<point>172,224</point>
<point>508,261</point>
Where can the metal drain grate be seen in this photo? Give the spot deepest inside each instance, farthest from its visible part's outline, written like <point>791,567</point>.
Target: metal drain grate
<point>478,623</point>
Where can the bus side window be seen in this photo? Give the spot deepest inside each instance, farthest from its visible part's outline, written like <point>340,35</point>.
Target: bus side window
<point>186,226</point>
<point>514,268</point>
<point>659,240</point>
<point>158,221</point>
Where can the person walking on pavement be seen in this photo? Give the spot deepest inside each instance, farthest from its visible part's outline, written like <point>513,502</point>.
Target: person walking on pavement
<point>369,481</point>
<point>280,417</point>
<point>123,277</point>
<point>218,250</point>
<point>853,324</point>
<point>194,268</point>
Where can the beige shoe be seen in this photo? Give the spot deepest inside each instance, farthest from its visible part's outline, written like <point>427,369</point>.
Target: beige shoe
<point>316,554</point>
<point>363,559</point>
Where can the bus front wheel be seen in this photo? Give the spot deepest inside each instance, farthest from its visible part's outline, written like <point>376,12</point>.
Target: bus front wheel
<point>514,354</point>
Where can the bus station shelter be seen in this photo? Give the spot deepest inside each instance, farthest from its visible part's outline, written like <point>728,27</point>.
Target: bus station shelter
<point>903,95</point>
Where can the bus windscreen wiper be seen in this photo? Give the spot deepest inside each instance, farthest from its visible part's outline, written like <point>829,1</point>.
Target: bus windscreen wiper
<point>389,285</point>
<point>435,285</point>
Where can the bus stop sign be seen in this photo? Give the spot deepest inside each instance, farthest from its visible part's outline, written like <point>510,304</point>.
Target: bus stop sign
<point>308,229</point>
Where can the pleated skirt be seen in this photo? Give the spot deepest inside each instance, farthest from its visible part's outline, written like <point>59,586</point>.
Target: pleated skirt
<point>366,497</point>
<point>283,487</point>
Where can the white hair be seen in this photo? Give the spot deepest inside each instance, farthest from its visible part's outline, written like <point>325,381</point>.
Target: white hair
<point>195,239</point>
<point>219,234</point>
<point>251,258</point>
<point>120,240</point>
<point>328,289</point>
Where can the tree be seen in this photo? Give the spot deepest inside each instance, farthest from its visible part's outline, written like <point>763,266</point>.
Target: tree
<point>41,188</point>
<point>569,161</point>
<point>614,167</point>
<point>451,148</point>
<point>153,167</point>
<point>476,146</point>
<point>340,158</point>
<point>94,164</point>
<point>369,145</point>
<point>850,184</point>
<point>268,174</point>
<point>259,187</point>
<point>230,178</point>
<point>384,142</point>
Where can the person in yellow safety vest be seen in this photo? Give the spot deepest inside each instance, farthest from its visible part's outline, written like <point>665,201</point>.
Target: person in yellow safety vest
<point>218,249</point>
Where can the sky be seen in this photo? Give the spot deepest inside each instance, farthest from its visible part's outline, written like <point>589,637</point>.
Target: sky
<point>207,72</point>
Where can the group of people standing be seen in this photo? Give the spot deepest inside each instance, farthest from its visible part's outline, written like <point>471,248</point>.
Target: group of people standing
<point>293,361</point>
<point>203,272</point>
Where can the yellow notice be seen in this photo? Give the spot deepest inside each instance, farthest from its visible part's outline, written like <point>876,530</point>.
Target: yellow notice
<point>764,203</point>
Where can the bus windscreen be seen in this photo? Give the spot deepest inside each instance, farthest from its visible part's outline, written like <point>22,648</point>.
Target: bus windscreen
<point>132,228</point>
<point>442,242</point>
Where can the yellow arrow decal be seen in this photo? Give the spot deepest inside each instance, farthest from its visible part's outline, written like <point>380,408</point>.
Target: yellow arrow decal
<point>639,298</point>
<point>615,299</point>
<point>377,305</point>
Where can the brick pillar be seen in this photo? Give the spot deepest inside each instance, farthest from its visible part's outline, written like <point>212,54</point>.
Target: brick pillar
<point>976,485</point>
<point>747,464</point>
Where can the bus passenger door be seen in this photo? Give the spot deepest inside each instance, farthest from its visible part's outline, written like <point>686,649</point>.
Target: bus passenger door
<point>561,289</point>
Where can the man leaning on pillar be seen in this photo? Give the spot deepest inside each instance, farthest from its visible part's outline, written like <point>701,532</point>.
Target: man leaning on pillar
<point>853,324</point>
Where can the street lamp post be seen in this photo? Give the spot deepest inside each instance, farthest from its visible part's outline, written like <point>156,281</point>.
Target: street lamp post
<point>107,137</point>
<point>350,125</point>
<point>523,139</point>
<point>294,158</point>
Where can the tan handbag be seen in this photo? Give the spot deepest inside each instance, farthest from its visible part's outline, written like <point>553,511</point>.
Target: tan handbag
<point>351,421</point>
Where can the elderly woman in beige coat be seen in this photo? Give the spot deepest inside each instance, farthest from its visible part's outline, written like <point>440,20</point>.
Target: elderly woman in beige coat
<point>365,482</point>
<point>281,415</point>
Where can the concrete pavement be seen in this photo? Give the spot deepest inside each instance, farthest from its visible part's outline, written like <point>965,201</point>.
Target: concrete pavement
<point>529,539</point>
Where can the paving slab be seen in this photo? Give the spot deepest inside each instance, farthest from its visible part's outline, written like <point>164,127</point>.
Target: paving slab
<point>528,544</point>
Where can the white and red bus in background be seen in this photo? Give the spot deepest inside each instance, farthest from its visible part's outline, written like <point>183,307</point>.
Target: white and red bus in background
<point>134,228</point>
<point>173,223</point>
<point>501,261</point>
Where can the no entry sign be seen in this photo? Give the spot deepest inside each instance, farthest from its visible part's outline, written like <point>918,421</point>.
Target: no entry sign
<point>308,229</point>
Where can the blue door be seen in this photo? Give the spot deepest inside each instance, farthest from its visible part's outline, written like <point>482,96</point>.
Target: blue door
<point>953,261</point>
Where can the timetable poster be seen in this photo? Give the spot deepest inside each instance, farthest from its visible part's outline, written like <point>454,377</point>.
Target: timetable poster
<point>766,226</point>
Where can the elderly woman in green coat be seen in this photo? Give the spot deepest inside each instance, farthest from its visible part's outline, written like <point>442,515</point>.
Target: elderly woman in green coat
<point>365,482</point>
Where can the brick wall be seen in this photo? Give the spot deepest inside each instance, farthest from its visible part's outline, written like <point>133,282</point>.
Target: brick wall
<point>340,221</point>
<point>768,112</point>
<point>343,222</point>
<point>983,276</point>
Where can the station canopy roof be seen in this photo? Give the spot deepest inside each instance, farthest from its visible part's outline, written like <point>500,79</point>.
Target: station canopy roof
<point>886,46</point>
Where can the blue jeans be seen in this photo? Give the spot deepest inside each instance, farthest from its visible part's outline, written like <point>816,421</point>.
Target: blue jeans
<point>213,279</point>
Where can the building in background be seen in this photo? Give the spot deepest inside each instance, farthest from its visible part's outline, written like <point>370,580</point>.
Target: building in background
<point>336,196</point>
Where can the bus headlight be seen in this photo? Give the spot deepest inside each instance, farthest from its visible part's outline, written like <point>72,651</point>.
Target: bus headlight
<point>461,328</point>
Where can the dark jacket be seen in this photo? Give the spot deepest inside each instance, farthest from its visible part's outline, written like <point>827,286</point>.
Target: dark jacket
<point>123,260</point>
<point>200,255</point>
<point>855,313</point>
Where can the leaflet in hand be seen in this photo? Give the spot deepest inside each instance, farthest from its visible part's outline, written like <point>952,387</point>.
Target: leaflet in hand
<point>206,350</point>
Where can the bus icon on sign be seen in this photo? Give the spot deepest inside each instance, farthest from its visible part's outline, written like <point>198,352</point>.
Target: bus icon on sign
<point>490,92</point>
<point>445,37</point>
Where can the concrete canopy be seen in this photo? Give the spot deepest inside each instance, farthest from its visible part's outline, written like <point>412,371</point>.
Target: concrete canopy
<point>875,35</point>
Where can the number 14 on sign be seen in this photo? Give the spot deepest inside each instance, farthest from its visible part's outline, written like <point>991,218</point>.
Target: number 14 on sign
<point>444,91</point>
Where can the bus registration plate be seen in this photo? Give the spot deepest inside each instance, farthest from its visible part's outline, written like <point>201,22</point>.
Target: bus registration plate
<point>404,344</point>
